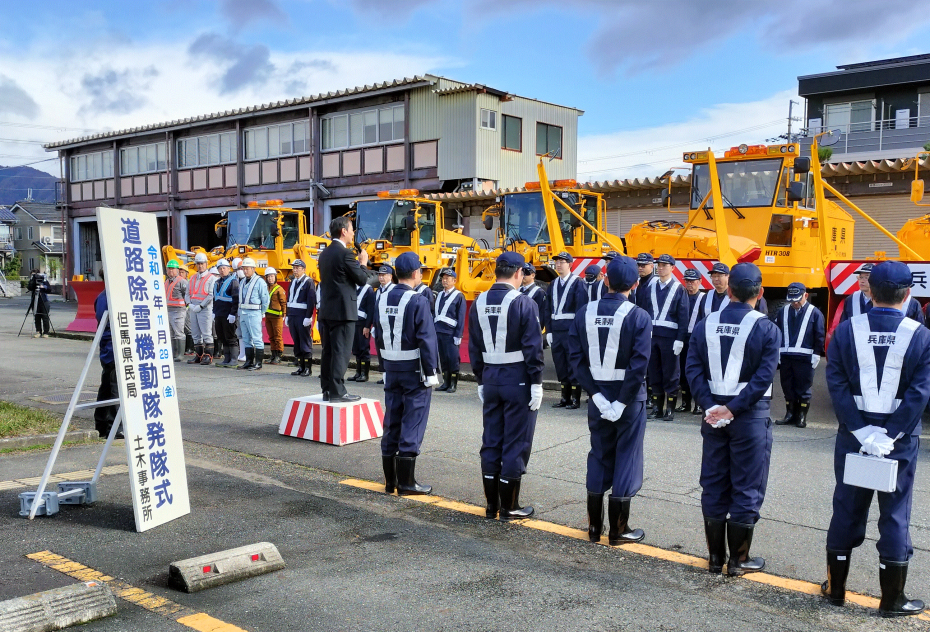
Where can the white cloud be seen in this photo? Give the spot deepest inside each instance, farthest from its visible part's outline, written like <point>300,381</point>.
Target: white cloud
<point>649,152</point>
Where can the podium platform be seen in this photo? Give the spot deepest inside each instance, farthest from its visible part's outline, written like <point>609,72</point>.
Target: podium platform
<point>340,424</point>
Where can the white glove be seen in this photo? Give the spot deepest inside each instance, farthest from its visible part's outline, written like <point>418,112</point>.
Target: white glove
<point>618,408</point>
<point>196,308</point>
<point>721,422</point>
<point>481,393</point>
<point>457,341</point>
<point>677,346</point>
<point>230,319</point>
<point>285,321</point>
<point>815,360</point>
<point>607,412</point>
<point>430,381</point>
<point>307,322</point>
<point>549,339</point>
<point>874,440</point>
<point>536,393</point>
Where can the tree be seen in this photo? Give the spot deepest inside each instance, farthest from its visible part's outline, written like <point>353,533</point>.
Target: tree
<point>11,269</point>
<point>824,153</point>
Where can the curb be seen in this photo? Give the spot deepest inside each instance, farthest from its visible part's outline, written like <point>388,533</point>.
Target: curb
<point>58,608</point>
<point>48,439</point>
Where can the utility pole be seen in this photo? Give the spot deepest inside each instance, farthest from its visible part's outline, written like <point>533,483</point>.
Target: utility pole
<point>791,104</point>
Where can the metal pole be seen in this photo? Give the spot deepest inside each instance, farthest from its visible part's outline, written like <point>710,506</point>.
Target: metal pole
<point>67,420</point>
<point>117,422</point>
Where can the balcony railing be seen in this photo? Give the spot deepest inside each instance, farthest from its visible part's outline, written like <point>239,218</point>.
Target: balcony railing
<point>899,134</point>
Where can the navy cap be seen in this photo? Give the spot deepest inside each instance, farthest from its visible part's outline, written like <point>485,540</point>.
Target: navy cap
<point>564,256</point>
<point>796,292</point>
<point>720,267</point>
<point>385,269</point>
<point>669,259</point>
<point>745,274</point>
<point>528,269</point>
<point>645,257</point>
<point>622,272</point>
<point>865,267</point>
<point>610,256</point>
<point>514,259</point>
<point>407,263</point>
<point>448,272</point>
<point>892,274</point>
<point>297,263</point>
<point>692,275</point>
<point>592,270</point>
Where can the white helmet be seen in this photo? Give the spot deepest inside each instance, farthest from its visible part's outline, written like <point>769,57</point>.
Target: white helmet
<point>200,258</point>
<point>236,263</point>
<point>222,262</point>
<point>213,270</point>
<point>270,270</point>
<point>248,262</point>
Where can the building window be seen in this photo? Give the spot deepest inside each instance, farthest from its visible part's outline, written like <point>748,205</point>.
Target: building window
<point>95,166</point>
<point>511,133</point>
<point>142,159</point>
<point>32,263</point>
<point>488,119</point>
<point>19,233</point>
<point>277,140</point>
<point>56,233</point>
<point>548,140</point>
<point>855,116</point>
<point>214,149</point>
<point>357,129</point>
<point>29,233</point>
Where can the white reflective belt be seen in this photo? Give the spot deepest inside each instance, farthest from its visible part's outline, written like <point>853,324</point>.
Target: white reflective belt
<point>362,314</point>
<point>805,321</point>
<point>728,384</point>
<point>694,312</point>
<point>659,320</point>
<point>709,302</point>
<point>295,288</point>
<point>532,291</point>
<point>245,297</point>
<point>875,398</point>
<point>392,336</point>
<point>857,303</point>
<point>249,306</point>
<point>604,370</point>
<point>358,301</point>
<point>443,316</point>
<point>496,348</point>
<point>598,292</point>
<point>560,304</point>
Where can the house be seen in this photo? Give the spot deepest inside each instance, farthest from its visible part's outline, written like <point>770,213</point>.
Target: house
<point>7,250</point>
<point>38,238</point>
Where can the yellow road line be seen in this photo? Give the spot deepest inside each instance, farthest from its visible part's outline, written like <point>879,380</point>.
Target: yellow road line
<point>79,475</point>
<point>199,621</point>
<point>785,583</point>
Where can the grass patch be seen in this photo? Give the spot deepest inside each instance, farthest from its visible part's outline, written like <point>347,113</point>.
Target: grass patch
<point>19,421</point>
<point>48,446</point>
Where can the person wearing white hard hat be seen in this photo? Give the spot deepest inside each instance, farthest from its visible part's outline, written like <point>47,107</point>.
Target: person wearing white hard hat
<point>200,302</point>
<point>226,313</point>
<point>274,315</point>
<point>253,301</point>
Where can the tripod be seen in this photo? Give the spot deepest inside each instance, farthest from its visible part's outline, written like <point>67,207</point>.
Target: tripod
<point>32,309</point>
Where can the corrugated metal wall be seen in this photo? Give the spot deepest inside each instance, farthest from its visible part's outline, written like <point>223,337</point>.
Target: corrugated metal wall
<point>619,221</point>
<point>891,211</point>
<point>459,127</point>
<point>517,168</point>
<point>426,111</point>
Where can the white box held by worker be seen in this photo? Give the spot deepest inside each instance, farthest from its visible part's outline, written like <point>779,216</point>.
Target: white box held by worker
<point>871,472</point>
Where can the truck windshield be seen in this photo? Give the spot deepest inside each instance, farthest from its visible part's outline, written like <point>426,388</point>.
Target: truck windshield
<point>525,219</point>
<point>744,183</point>
<point>250,228</point>
<point>383,219</point>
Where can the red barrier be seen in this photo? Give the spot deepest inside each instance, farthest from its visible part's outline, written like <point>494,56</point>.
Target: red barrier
<point>86,292</point>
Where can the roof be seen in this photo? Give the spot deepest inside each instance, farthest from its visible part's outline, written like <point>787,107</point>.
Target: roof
<point>474,87</point>
<point>885,62</point>
<point>41,212</point>
<point>6,215</point>
<point>867,76</point>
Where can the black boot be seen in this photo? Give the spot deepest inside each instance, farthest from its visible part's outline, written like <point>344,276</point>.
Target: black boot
<point>406,480</point>
<point>739,537</point>
<point>685,403</point>
<point>510,500</point>
<point>566,396</point>
<point>445,382</point>
<point>618,519</point>
<point>249,359</point>
<point>259,355</point>
<point>207,358</point>
<point>275,357</point>
<point>801,421</point>
<point>198,355</point>
<point>892,576</point>
<point>595,516</point>
<point>670,402</point>
<point>834,588</point>
<point>697,410</point>
<point>308,367</point>
<point>492,494</point>
<point>575,398</point>
<point>390,477</point>
<point>366,366</point>
<point>301,362</point>
<point>657,412</point>
<point>358,372</point>
<point>716,533</point>
<point>453,382</point>
<point>790,415</point>
<point>188,345</point>
<point>650,402</point>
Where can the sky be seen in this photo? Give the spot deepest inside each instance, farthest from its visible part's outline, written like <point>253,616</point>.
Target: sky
<point>654,77</point>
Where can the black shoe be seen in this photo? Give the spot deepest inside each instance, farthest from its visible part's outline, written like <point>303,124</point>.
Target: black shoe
<point>301,365</point>
<point>381,381</point>
<point>249,359</point>
<point>453,382</point>
<point>834,588</point>
<point>406,480</point>
<point>275,357</point>
<point>575,398</point>
<point>739,537</point>
<point>308,367</point>
<point>198,355</point>
<point>595,516</point>
<point>345,399</point>
<point>390,476</point>
<point>491,494</point>
<point>657,411</point>
<point>510,500</point>
<point>566,396</point>
<point>716,534</point>
<point>670,402</point>
<point>697,410</point>
<point>207,358</point>
<point>650,402</point>
<point>366,365</point>
<point>892,576</point>
<point>789,418</point>
<point>801,421</point>
<point>445,382</point>
<point>618,519</point>
<point>325,396</point>
<point>685,403</point>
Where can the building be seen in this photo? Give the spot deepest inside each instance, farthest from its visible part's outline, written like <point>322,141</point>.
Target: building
<point>7,249</point>
<point>38,238</point>
<point>316,153</point>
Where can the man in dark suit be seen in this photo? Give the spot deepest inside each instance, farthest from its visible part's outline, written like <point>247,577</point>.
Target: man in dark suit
<point>340,273</point>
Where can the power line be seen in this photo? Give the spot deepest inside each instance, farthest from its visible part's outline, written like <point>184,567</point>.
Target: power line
<point>28,163</point>
<point>22,140</point>
<point>51,127</point>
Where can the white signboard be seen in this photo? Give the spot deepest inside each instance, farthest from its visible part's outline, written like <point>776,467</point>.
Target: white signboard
<point>144,365</point>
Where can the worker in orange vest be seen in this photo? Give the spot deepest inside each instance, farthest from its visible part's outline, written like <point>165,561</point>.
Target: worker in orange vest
<point>175,293</point>
<point>200,301</point>
<point>274,315</point>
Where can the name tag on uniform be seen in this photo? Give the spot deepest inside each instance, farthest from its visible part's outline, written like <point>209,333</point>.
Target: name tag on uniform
<point>871,472</point>
<point>391,311</point>
<point>728,330</point>
<point>492,309</point>
<point>604,321</point>
<point>881,340</point>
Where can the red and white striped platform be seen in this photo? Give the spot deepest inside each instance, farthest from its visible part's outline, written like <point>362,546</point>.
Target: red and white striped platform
<point>336,424</point>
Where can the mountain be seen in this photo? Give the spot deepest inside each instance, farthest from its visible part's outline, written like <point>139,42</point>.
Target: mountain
<point>15,183</point>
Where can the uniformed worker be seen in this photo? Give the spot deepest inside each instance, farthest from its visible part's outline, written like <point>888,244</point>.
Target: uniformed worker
<point>878,375</point>
<point>693,284</point>
<point>666,303</point>
<point>301,306</point>
<point>860,301</point>
<point>424,290</point>
<point>803,332</point>
<point>594,282</point>
<point>449,319</point>
<point>645,265</point>
<point>610,354</point>
<point>505,348</point>
<point>253,302</point>
<point>532,290</point>
<point>405,334</point>
<point>385,283</point>
<point>275,315</point>
<point>717,298</point>
<point>175,299</point>
<point>226,311</point>
<point>200,305</point>
<point>237,270</point>
<point>731,366</point>
<point>361,342</point>
<point>566,296</point>
<point>188,338</point>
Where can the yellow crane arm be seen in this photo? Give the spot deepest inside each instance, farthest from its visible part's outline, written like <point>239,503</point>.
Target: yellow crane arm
<point>618,246</point>
<point>720,219</point>
<point>552,220</point>
<point>690,221</point>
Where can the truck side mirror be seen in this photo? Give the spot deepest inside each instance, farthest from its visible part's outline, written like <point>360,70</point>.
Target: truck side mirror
<point>574,221</point>
<point>410,223</point>
<point>489,222</point>
<point>802,165</point>
<point>796,192</point>
<point>664,197</point>
<point>275,231</point>
<point>219,232</point>
<point>917,191</point>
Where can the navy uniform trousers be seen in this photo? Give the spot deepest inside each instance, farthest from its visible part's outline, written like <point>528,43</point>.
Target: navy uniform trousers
<point>406,403</point>
<point>509,426</point>
<point>797,377</point>
<point>615,461</point>
<point>664,366</point>
<point>361,346</point>
<point>449,358</point>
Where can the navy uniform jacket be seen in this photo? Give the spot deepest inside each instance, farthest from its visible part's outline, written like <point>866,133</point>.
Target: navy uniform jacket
<point>455,312</point>
<point>106,339</point>
<point>716,302</point>
<point>865,305</point>
<point>301,298</point>
<point>226,296</point>
<point>416,332</point>
<point>595,291</point>
<point>574,301</point>
<point>677,310</point>
<point>844,375</point>
<point>633,349</point>
<point>639,294</point>
<point>694,311</point>
<point>523,334</point>
<point>423,289</point>
<point>813,337</point>
<point>539,295</point>
<point>366,306</point>
<point>760,359</point>
<point>914,311</point>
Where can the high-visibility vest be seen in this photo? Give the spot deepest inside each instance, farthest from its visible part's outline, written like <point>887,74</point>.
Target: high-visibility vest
<point>798,347</point>
<point>392,335</point>
<point>361,292</point>
<point>245,293</point>
<point>726,383</point>
<point>659,318</point>
<point>559,305</point>
<point>273,312</point>
<point>199,286</point>
<point>221,289</point>
<point>169,291</point>
<point>442,314</point>
<point>694,312</point>
<point>605,369</point>
<point>495,347</point>
<point>875,397</point>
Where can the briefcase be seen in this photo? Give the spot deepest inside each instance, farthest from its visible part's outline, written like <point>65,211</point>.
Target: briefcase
<point>871,472</point>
